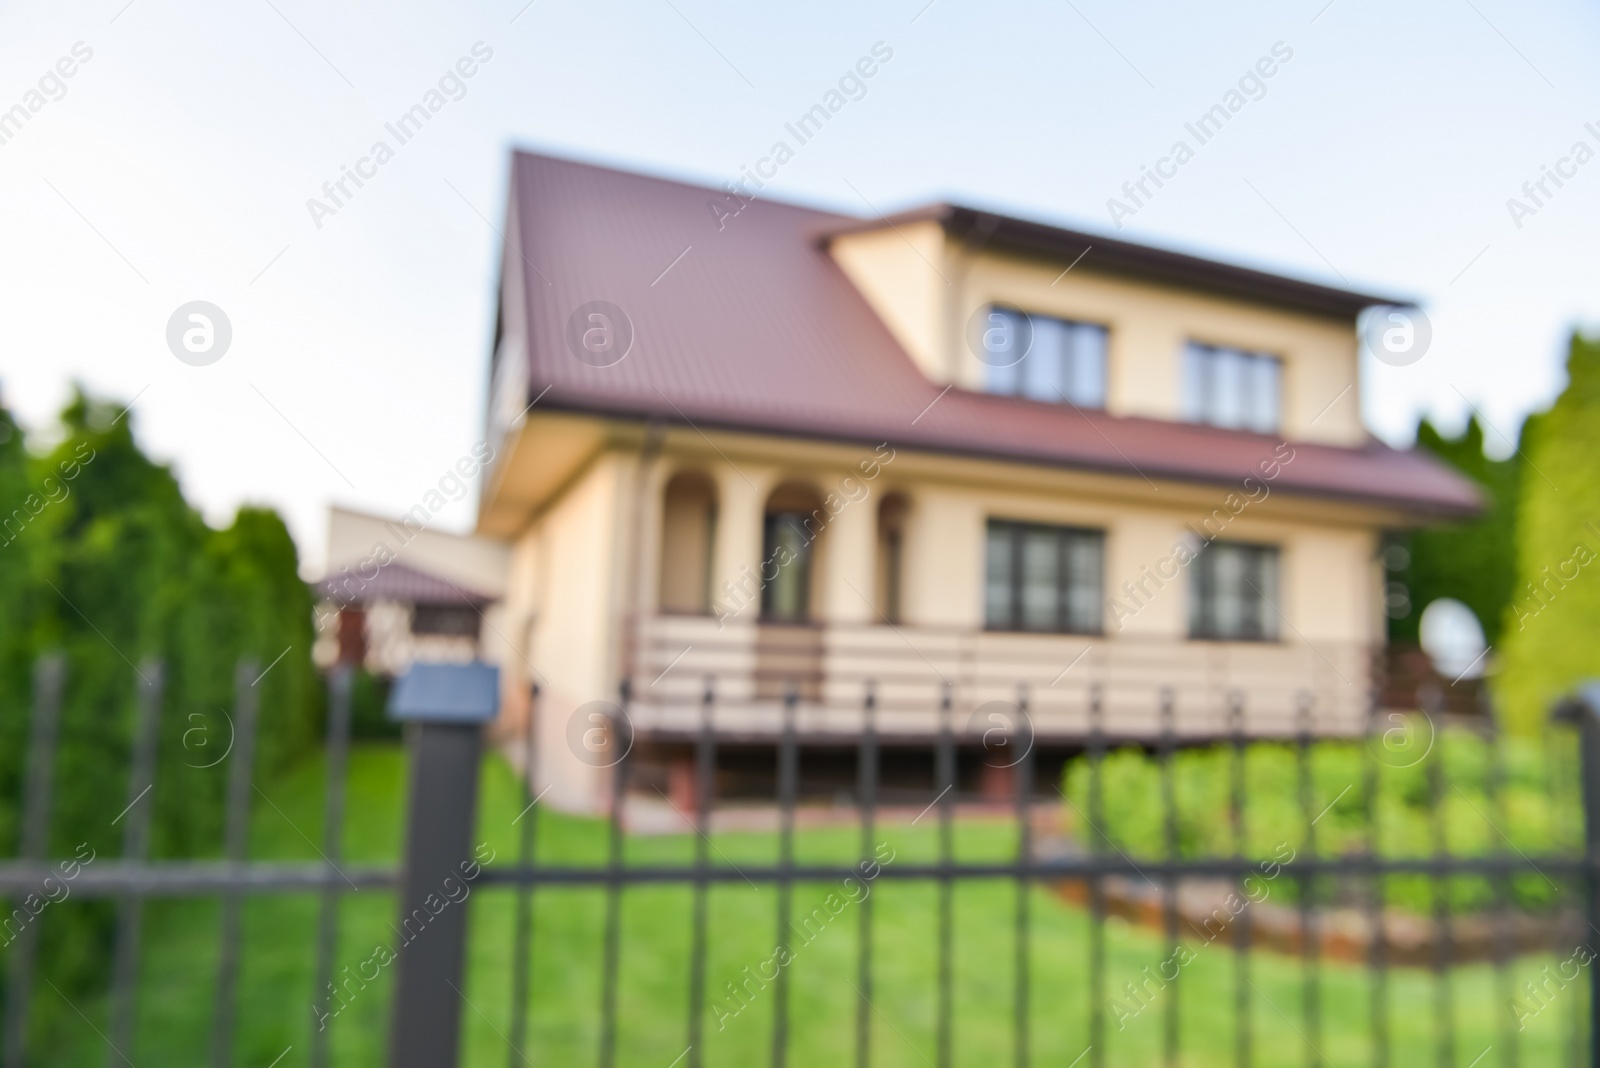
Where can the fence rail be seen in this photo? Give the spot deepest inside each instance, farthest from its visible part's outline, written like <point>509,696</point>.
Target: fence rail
<point>1094,865</point>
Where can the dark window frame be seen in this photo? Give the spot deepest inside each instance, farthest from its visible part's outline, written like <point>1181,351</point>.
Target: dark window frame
<point>446,620</point>
<point>1202,410</point>
<point>893,562</point>
<point>1264,627</point>
<point>805,559</point>
<point>1019,388</point>
<point>1065,535</point>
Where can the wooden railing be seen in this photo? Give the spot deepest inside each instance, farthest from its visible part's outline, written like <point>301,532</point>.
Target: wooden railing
<point>832,667</point>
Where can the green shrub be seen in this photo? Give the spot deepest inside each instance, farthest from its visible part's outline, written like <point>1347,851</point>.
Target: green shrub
<point>369,707</point>
<point>1439,803</point>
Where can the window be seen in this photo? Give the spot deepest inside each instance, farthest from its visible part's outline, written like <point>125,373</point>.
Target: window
<point>1235,592</point>
<point>786,556</point>
<point>892,511</point>
<point>448,620</point>
<point>1044,358</point>
<point>1230,388</point>
<point>1043,578</point>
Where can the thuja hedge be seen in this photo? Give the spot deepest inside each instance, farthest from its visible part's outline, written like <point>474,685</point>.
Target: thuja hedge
<point>104,562</point>
<point>1536,812</point>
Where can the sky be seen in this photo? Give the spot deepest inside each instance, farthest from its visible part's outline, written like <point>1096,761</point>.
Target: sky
<point>1389,152</point>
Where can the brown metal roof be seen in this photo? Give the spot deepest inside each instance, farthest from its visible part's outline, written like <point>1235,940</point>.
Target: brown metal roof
<point>752,326</point>
<point>395,581</point>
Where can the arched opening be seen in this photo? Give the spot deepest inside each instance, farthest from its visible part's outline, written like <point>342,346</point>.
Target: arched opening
<point>688,532</point>
<point>794,521</point>
<point>892,511</point>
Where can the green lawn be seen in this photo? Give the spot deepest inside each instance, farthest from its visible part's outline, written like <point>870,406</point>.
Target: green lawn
<point>276,996</point>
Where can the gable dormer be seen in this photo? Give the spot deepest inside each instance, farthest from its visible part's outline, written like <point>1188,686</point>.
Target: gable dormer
<point>1001,305</point>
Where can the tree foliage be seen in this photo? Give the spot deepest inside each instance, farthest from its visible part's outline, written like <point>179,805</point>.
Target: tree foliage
<point>105,562</point>
<point>1473,562</point>
<point>1552,629</point>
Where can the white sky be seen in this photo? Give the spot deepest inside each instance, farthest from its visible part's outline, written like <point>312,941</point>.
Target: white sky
<point>179,162</point>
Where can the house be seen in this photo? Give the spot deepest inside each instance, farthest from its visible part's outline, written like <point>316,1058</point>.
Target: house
<point>396,592</point>
<point>782,453</point>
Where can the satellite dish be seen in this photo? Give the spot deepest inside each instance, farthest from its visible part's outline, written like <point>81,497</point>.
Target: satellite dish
<point>1453,639</point>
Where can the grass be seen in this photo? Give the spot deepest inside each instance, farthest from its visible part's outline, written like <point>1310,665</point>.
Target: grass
<point>276,1016</point>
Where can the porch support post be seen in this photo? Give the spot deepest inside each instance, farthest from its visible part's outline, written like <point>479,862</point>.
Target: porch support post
<point>849,586</point>
<point>736,554</point>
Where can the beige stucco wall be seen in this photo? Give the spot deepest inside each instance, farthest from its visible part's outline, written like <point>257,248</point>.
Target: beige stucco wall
<point>943,535</point>
<point>563,614</point>
<point>901,273</point>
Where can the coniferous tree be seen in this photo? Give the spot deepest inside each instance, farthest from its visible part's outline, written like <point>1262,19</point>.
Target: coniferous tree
<point>105,562</point>
<point>1552,628</point>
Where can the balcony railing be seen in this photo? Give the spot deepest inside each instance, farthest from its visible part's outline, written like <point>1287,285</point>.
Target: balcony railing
<point>1271,685</point>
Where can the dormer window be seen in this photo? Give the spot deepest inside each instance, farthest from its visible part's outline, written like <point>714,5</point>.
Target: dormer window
<point>1231,388</point>
<point>1044,358</point>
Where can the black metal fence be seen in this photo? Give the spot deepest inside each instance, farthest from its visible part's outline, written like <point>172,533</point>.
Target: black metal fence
<point>1093,865</point>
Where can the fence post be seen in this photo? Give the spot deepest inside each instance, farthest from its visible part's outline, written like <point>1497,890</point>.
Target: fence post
<point>445,707</point>
<point>135,848</point>
<point>1583,709</point>
<point>48,677</point>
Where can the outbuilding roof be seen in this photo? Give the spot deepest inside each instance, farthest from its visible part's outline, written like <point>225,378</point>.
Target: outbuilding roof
<point>395,581</point>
